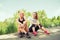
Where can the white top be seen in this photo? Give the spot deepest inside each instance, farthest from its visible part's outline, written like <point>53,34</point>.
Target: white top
<point>32,20</point>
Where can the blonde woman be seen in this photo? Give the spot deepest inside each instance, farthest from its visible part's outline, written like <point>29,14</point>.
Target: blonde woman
<point>22,25</point>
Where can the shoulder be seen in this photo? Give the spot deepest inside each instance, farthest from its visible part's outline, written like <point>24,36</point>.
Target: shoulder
<point>25,18</point>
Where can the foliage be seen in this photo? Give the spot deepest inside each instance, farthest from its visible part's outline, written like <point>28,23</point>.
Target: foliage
<point>10,24</point>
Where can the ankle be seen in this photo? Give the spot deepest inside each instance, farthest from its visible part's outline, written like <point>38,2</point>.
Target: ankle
<point>46,32</point>
<point>34,32</point>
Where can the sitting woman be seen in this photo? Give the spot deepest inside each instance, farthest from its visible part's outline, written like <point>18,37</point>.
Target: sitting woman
<point>35,25</point>
<point>22,25</point>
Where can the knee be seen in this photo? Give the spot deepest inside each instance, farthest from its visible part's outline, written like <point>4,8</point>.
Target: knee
<point>40,25</point>
<point>25,23</point>
<point>33,25</point>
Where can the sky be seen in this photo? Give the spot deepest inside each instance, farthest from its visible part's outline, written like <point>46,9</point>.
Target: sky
<point>9,7</point>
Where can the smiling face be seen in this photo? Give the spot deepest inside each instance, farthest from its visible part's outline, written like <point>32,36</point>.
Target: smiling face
<point>21,14</point>
<point>35,16</point>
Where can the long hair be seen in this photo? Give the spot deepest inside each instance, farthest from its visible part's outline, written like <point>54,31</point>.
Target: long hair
<point>36,17</point>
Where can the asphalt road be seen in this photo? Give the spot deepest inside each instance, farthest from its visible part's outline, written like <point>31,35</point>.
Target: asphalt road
<point>52,36</point>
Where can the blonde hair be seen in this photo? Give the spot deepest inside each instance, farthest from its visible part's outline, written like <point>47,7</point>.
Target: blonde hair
<point>20,11</point>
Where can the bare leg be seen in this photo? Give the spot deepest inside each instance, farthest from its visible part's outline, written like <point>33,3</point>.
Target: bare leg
<point>26,30</point>
<point>23,30</point>
<point>43,29</point>
<point>26,27</point>
<point>19,30</point>
<point>46,31</point>
<point>34,32</point>
<point>33,28</point>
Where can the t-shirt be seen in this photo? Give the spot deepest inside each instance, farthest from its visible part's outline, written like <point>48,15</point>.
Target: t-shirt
<point>32,20</point>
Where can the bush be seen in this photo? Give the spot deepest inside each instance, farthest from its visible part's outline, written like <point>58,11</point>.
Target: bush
<point>1,32</point>
<point>11,28</point>
<point>10,24</point>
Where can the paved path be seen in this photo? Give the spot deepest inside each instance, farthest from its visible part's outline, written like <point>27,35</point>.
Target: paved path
<point>51,37</point>
<point>55,35</point>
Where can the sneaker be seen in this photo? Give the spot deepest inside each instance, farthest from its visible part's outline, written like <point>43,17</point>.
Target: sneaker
<point>27,35</point>
<point>35,33</point>
<point>46,32</point>
<point>21,35</point>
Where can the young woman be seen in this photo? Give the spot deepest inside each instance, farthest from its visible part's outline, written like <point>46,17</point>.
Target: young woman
<point>35,25</point>
<point>22,25</point>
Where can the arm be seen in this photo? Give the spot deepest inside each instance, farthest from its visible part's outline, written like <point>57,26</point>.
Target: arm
<point>33,23</point>
<point>25,22</point>
<point>37,23</point>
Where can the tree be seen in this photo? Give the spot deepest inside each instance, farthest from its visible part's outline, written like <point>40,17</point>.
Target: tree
<point>58,18</point>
